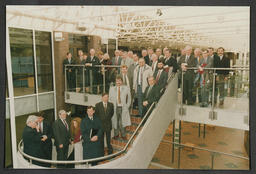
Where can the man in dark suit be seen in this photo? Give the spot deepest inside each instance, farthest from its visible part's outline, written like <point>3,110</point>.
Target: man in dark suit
<point>222,75</point>
<point>215,59</point>
<point>46,131</point>
<point>145,56</point>
<point>116,61</point>
<point>92,143</point>
<point>70,72</point>
<point>185,62</point>
<point>170,62</point>
<point>160,76</point>
<point>62,136</point>
<point>150,95</point>
<point>105,110</point>
<point>32,138</point>
<point>92,73</point>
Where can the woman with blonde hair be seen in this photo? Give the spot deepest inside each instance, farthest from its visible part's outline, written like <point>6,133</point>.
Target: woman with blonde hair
<point>76,139</point>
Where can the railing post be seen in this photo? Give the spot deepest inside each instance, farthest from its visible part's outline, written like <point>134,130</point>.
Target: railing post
<point>91,81</point>
<point>204,130</point>
<point>182,111</point>
<point>213,114</point>
<point>76,80</point>
<point>199,129</point>
<point>83,86</point>
<point>104,80</point>
<point>65,68</point>
<point>212,155</point>
<point>179,157</point>
<point>173,135</point>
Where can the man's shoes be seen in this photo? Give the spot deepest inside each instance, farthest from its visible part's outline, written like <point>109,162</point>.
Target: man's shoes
<point>124,138</point>
<point>116,137</point>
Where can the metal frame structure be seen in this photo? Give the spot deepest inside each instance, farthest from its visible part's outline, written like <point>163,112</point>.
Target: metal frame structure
<point>144,26</point>
<point>12,98</point>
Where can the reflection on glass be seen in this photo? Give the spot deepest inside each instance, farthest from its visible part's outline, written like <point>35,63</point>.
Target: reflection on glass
<point>44,61</point>
<point>21,45</point>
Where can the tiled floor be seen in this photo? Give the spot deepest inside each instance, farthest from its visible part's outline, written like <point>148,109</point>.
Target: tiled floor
<point>220,139</point>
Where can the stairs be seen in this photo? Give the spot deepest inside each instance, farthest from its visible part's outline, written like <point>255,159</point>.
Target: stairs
<point>118,144</point>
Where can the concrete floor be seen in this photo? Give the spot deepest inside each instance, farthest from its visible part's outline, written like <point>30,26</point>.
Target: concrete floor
<point>220,139</point>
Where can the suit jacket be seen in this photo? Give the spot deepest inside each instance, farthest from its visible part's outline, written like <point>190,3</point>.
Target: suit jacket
<point>91,149</point>
<point>32,142</point>
<point>147,72</point>
<point>162,81</point>
<point>191,62</point>
<point>119,60</point>
<point>66,62</point>
<point>223,63</point>
<point>125,101</point>
<point>147,61</point>
<point>152,96</point>
<point>172,62</point>
<point>130,73</point>
<point>47,130</point>
<point>61,134</point>
<point>105,117</point>
<point>128,62</point>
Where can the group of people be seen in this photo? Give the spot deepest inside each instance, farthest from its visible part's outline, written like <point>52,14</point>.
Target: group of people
<point>138,79</point>
<point>198,81</point>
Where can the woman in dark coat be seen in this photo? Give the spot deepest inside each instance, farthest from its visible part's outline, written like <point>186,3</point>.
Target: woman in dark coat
<point>92,147</point>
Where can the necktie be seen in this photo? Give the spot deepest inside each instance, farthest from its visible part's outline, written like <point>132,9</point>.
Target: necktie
<point>124,79</point>
<point>158,76</point>
<point>105,107</point>
<point>141,76</point>
<point>65,123</point>
<point>186,59</point>
<point>119,95</point>
<point>40,127</point>
<point>116,60</point>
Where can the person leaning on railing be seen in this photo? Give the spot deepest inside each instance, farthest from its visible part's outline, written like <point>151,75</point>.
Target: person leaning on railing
<point>70,71</point>
<point>32,139</point>
<point>222,75</point>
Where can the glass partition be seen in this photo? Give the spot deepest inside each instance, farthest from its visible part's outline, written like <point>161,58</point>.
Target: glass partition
<point>21,45</point>
<point>44,61</point>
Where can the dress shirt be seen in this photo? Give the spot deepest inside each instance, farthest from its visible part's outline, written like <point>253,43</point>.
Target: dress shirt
<point>65,123</point>
<point>118,104</point>
<point>140,75</point>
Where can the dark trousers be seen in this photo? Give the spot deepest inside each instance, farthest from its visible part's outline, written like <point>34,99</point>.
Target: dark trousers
<point>47,153</point>
<point>188,84</point>
<point>220,84</point>
<point>108,137</point>
<point>120,127</point>
<point>140,97</point>
<point>71,81</point>
<point>62,155</point>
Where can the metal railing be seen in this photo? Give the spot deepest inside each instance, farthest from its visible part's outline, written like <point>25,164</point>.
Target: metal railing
<point>212,89</point>
<point>89,69</point>
<point>87,161</point>
<point>213,152</point>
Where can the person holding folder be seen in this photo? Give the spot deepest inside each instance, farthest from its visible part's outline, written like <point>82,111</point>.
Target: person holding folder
<point>91,130</point>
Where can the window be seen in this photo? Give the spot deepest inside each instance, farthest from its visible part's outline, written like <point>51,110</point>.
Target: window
<point>44,61</point>
<point>21,45</point>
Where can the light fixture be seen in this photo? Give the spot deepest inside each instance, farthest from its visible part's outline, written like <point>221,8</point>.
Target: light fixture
<point>159,12</point>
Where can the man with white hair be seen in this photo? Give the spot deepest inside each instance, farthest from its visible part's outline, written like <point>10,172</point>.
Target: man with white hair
<point>32,138</point>
<point>126,60</point>
<point>185,62</point>
<point>62,136</point>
